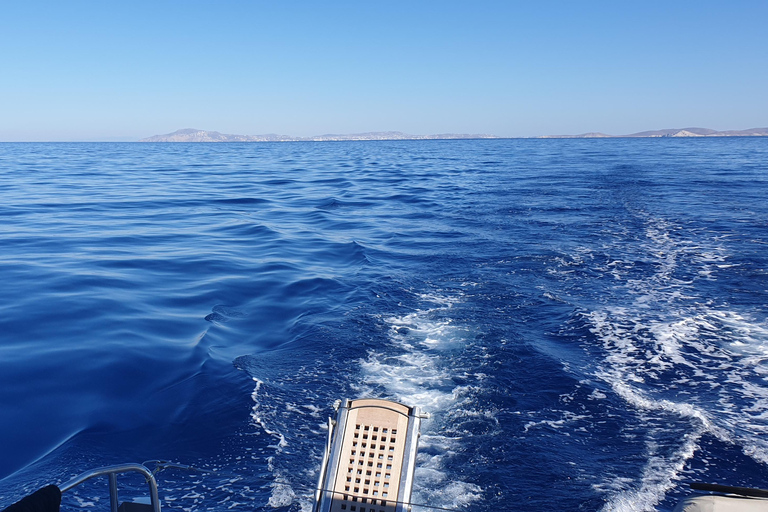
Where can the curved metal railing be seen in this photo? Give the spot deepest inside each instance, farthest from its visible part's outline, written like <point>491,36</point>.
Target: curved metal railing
<point>112,472</point>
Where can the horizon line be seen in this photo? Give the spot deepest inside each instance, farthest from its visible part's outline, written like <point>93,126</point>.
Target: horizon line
<point>186,135</point>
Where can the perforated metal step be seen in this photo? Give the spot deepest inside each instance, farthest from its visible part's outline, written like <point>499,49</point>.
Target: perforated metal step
<point>370,458</point>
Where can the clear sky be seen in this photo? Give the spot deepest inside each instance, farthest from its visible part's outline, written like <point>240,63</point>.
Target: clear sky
<point>100,70</point>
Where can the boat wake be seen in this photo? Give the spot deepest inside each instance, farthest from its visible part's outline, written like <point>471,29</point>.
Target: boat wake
<point>423,362</point>
<point>665,348</point>
<point>425,358</point>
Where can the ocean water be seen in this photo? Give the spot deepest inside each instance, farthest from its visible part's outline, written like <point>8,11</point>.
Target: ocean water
<point>585,320</point>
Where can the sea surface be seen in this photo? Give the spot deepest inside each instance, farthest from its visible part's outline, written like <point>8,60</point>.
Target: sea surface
<point>585,320</point>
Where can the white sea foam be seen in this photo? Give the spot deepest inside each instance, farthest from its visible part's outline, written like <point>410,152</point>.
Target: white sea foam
<point>282,493</point>
<point>665,335</point>
<point>422,374</point>
<point>566,418</point>
<point>659,476</point>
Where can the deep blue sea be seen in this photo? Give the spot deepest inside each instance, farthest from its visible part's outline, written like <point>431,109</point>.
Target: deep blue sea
<point>585,320</point>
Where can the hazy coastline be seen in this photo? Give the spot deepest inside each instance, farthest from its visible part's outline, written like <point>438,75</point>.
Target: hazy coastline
<point>195,135</point>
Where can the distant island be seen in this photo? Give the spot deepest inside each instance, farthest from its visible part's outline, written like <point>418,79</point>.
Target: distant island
<point>194,135</point>
<point>672,132</point>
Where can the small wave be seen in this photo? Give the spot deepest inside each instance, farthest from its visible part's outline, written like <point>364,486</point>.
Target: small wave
<point>330,204</point>
<point>222,313</point>
<point>241,200</point>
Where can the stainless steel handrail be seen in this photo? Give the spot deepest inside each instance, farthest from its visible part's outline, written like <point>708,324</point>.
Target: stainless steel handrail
<point>112,472</point>
<point>324,465</point>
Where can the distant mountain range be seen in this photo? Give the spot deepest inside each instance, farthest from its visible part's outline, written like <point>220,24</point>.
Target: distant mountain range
<point>193,135</point>
<point>673,132</point>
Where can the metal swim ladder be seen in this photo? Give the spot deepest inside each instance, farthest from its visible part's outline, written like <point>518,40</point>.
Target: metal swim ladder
<point>370,457</point>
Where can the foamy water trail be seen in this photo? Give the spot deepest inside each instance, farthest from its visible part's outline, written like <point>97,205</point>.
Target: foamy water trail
<point>421,372</point>
<point>418,366</point>
<point>666,338</point>
<point>281,493</point>
<point>296,430</point>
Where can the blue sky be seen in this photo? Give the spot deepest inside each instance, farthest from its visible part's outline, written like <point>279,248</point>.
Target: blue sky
<point>100,70</point>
